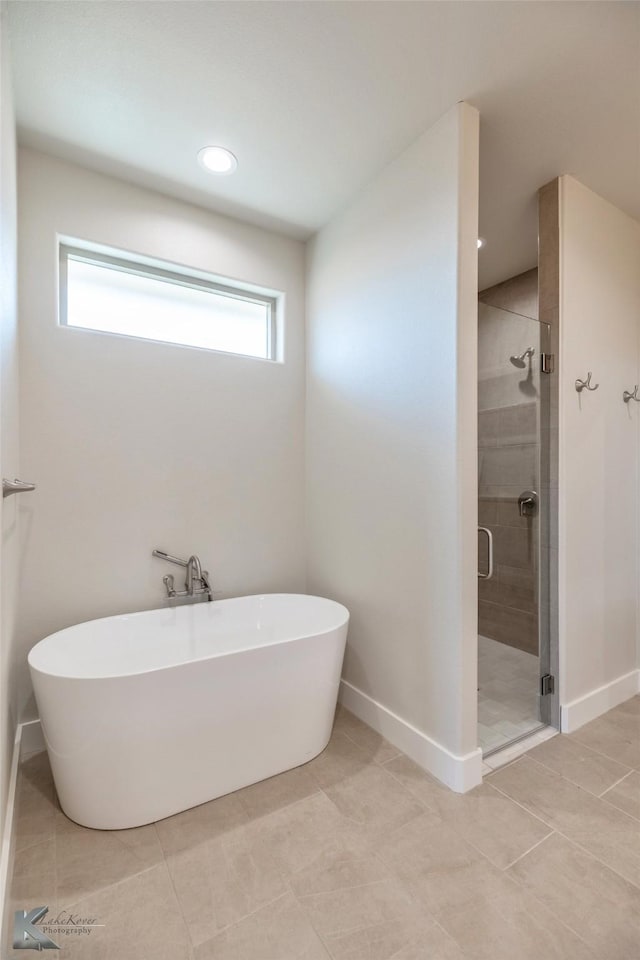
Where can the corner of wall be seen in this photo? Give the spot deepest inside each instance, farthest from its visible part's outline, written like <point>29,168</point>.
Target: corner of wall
<point>9,445</point>
<point>460,772</point>
<point>467,419</point>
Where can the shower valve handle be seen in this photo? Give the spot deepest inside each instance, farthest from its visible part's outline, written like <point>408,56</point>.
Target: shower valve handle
<point>528,503</point>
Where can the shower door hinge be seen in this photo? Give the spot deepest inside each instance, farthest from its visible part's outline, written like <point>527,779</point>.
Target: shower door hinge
<point>547,362</point>
<point>547,684</point>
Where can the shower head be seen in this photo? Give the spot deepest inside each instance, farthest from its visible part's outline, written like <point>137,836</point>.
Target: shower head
<point>521,361</point>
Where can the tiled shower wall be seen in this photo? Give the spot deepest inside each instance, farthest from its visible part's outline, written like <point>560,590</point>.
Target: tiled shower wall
<point>508,460</point>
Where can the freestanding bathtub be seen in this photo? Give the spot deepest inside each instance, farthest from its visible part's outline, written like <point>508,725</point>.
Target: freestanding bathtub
<point>148,714</point>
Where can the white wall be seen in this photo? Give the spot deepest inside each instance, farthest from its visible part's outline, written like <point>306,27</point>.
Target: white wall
<point>598,468</point>
<point>391,443</point>
<point>136,445</point>
<point>9,450</point>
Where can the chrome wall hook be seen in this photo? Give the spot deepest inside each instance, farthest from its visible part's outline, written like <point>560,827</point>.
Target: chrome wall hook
<point>626,396</point>
<point>586,384</point>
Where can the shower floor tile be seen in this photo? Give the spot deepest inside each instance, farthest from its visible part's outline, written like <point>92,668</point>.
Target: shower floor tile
<point>507,694</point>
<point>357,854</point>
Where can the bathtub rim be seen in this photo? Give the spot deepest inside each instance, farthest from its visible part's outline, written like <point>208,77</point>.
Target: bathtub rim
<point>248,648</point>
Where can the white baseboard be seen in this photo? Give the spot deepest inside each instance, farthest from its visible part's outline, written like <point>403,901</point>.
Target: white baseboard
<point>7,848</point>
<point>460,773</point>
<point>593,704</point>
<point>29,739</point>
<point>32,740</point>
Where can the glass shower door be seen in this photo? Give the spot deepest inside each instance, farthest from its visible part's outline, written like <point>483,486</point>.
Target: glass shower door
<point>513,635</point>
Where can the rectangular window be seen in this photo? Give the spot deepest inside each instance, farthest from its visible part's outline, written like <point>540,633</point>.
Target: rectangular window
<point>133,299</point>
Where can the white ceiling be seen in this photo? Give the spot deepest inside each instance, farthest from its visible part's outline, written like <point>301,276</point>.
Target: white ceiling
<point>315,97</point>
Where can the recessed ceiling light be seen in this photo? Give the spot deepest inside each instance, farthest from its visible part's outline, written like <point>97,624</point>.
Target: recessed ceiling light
<point>481,242</point>
<point>217,160</point>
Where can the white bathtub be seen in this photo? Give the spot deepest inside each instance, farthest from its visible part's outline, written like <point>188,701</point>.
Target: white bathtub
<point>151,713</point>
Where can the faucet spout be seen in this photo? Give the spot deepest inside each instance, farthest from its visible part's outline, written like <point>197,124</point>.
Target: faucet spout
<point>194,574</point>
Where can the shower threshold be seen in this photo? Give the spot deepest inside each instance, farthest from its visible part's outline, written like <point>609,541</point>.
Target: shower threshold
<point>511,743</point>
<point>499,756</point>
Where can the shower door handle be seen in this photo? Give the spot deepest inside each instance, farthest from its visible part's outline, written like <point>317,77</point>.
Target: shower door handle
<point>489,573</point>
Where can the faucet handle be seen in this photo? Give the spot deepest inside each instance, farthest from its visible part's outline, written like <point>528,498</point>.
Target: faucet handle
<point>167,556</point>
<point>206,584</point>
<point>168,582</point>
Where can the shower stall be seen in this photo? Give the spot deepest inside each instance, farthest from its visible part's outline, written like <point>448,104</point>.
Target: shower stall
<point>515,499</point>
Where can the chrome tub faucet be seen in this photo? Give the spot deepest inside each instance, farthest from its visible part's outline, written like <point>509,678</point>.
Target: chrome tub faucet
<point>197,587</point>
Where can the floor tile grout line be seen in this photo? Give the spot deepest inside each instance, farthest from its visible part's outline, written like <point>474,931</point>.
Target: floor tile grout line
<point>34,843</point>
<point>530,850</point>
<point>525,887</point>
<point>175,893</point>
<point>522,806</point>
<point>599,753</point>
<point>437,813</point>
<point>419,800</point>
<point>336,807</point>
<point>588,793</point>
<point>575,843</point>
<point>55,859</point>
<point>234,923</point>
<point>537,915</point>
<point>591,856</point>
<point>351,886</point>
<point>396,878</point>
<point>536,816</point>
<point>323,937</point>
<point>381,763</point>
<point>613,806</point>
<point>109,886</point>
<point>414,796</point>
<point>486,856</point>
<point>559,918</point>
<point>116,835</point>
<point>463,953</point>
<point>602,862</point>
<point>117,883</point>
<point>469,842</point>
<point>596,796</point>
<point>253,817</point>
<point>519,885</point>
<point>263,816</point>
<point>375,760</point>
<point>604,792</point>
<point>382,766</point>
<point>434,923</point>
<point>317,791</point>
<point>567,737</point>
<point>350,739</point>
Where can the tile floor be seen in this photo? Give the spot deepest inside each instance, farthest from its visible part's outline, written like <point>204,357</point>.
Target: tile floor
<point>359,855</point>
<point>508,681</point>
